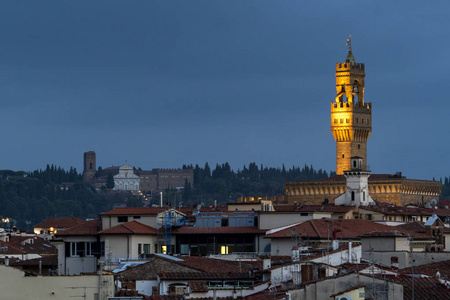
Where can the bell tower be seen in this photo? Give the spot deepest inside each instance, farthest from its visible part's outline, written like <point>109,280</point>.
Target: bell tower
<point>351,117</point>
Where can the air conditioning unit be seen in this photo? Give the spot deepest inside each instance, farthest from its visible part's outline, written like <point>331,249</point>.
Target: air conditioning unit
<point>345,298</point>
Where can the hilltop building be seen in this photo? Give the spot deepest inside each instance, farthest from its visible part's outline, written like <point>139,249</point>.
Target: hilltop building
<point>126,180</point>
<point>149,180</point>
<point>351,125</point>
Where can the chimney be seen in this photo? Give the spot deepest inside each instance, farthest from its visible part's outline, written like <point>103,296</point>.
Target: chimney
<point>394,262</point>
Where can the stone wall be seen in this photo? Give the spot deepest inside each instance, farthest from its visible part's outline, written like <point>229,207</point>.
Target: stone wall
<point>396,191</point>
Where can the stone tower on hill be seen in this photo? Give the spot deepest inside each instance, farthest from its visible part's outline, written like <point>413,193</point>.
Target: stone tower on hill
<point>89,166</point>
<point>351,117</point>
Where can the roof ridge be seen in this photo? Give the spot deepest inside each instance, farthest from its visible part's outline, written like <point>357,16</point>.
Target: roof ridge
<point>130,229</point>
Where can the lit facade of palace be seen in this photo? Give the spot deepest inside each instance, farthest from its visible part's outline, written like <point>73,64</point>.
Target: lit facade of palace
<point>351,126</point>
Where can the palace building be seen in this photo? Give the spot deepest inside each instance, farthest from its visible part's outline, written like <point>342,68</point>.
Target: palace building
<point>351,126</point>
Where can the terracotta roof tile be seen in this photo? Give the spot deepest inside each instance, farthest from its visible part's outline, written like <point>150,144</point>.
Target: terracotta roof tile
<point>60,223</point>
<point>204,275</point>
<point>211,265</point>
<point>47,260</point>
<point>27,244</point>
<point>424,288</point>
<point>132,227</point>
<point>345,228</point>
<point>218,230</point>
<point>387,233</point>
<point>145,210</point>
<point>389,209</point>
<point>87,228</point>
<point>430,269</point>
<point>412,226</point>
<point>313,208</point>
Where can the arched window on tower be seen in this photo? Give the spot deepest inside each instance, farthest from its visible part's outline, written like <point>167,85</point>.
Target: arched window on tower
<point>353,195</point>
<point>90,166</point>
<point>355,90</point>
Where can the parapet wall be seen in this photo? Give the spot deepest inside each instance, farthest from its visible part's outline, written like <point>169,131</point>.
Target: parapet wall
<point>342,67</point>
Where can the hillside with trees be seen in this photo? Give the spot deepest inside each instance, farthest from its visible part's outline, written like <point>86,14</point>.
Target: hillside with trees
<point>225,185</point>
<point>27,198</point>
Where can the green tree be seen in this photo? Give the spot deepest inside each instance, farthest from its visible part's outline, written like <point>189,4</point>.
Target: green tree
<point>110,181</point>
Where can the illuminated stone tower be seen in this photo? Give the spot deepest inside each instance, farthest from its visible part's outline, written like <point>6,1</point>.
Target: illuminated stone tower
<point>351,117</point>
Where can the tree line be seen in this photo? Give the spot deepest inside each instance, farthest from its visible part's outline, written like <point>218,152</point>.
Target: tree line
<point>28,198</point>
<point>224,184</point>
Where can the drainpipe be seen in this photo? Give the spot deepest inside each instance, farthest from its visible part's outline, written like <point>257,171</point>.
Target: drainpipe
<point>40,266</point>
<point>128,246</point>
<point>350,252</point>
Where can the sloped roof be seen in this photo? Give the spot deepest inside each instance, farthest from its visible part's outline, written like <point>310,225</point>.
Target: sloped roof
<point>415,226</point>
<point>323,228</point>
<point>203,275</point>
<point>145,210</point>
<point>218,230</point>
<point>430,269</point>
<point>390,209</point>
<point>211,265</point>
<point>7,248</point>
<point>47,260</point>
<point>432,219</point>
<point>60,223</point>
<point>387,233</point>
<point>427,288</point>
<point>314,208</point>
<point>132,227</point>
<point>87,228</point>
<point>27,244</point>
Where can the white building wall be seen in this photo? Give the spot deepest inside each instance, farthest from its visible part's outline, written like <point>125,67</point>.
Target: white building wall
<point>109,221</point>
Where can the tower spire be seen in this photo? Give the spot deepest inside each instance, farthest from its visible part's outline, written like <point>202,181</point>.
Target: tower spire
<point>350,57</point>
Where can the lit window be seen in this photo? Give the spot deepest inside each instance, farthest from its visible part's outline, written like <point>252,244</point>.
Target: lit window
<point>223,249</point>
<point>342,120</point>
<point>164,249</point>
<point>347,120</point>
<point>335,121</point>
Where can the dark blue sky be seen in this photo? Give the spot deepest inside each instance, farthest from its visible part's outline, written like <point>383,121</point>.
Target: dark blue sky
<point>161,84</point>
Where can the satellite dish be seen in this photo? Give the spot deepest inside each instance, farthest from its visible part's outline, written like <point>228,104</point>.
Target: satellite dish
<point>433,203</point>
